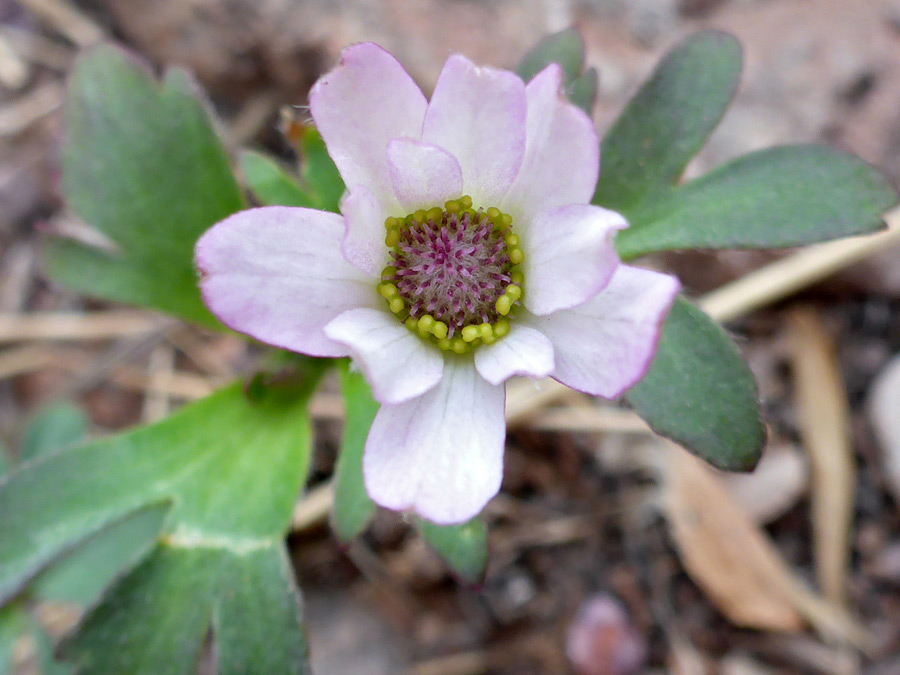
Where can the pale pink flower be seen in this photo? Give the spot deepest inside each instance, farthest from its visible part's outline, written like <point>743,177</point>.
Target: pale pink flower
<point>467,252</point>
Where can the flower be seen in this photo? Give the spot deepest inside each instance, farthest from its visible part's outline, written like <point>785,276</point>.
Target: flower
<point>466,252</point>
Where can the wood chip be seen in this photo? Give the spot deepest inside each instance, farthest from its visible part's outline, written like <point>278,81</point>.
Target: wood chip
<point>29,108</point>
<point>77,326</point>
<point>824,417</point>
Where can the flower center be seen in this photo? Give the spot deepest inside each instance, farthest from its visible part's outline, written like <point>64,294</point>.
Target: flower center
<point>454,274</point>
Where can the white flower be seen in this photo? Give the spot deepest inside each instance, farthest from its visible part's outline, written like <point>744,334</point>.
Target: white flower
<point>467,252</point>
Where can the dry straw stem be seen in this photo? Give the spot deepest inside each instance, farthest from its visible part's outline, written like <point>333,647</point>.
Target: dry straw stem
<point>67,20</point>
<point>77,326</point>
<point>824,416</point>
<point>29,108</point>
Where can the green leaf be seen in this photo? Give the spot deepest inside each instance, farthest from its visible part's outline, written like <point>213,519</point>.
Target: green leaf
<point>778,197</point>
<point>231,466</point>
<point>565,48</point>
<point>270,184</point>
<point>159,615</point>
<point>352,507</point>
<point>80,576</point>
<point>668,120</point>
<point>700,393</point>
<point>6,462</point>
<point>318,172</point>
<point>143,165</point>
<point>57,426</point>
<point>582,91</point>
<point>14,623</point>
<point>462,547</point>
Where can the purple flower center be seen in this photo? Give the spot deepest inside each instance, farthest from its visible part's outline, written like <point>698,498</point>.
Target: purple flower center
<point>453,276</point>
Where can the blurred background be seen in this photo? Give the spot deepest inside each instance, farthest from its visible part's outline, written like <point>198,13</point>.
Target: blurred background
<point>610,552</point>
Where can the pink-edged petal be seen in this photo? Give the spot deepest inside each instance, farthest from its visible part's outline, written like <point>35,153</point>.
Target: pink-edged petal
<point>569,255</point>
<point>277,274</point>
<point>478,116</point>
<point>397,364</point>
<point>358,107</point>
<point>363,244</point>
<point>423,175</point>
<point>562,153</point>
<point>439,455</point>
<point>605,346</point>
<point>525,351</point>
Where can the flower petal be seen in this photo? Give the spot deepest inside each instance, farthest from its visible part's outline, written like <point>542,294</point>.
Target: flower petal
<point>478,116</point>
<point>363,244</point>
<point>569,255</point>
<point>439,455</point>
<point>525,351</point>
<point>562,152</point>
<point>423,175</point>
<point>397,364</point>
<point>358,107</point>
<point>605,346</point>
<point>277,274</point>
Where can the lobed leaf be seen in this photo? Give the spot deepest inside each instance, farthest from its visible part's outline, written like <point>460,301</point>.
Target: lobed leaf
<point>143,165</point>
<point>270,184</point>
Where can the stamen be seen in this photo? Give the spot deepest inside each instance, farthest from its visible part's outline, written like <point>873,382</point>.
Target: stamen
<point>453,274</point>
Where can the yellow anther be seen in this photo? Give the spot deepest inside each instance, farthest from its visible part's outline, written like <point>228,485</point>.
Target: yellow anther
<point>493,214</point>
<point>517,277</point>
<point>505,220</point>
<point>489,340</point>
<point>397,305</point>
<point>435,214</point>
<point>512,240</point>
<point>486,331</point>
<point>503,305</point>
<point>420,216</point>
<point>439,330</point>
<point>411,323</point>
<point>515,255</point>
<point>513,292</point>
<point>392,238</point>
<point>388,272</point>
<point>501,328</point>
<point>425,324</point>
<point>466,201</point>
<point>444,344</point>
<point>459,346</point>
<point>452,206</point>
<point>391,222</point>
<point>470,333</point>
<point>388,291</point>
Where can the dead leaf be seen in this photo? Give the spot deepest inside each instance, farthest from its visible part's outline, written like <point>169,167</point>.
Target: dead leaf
<point>736,564</point>
<point>774,486</point>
